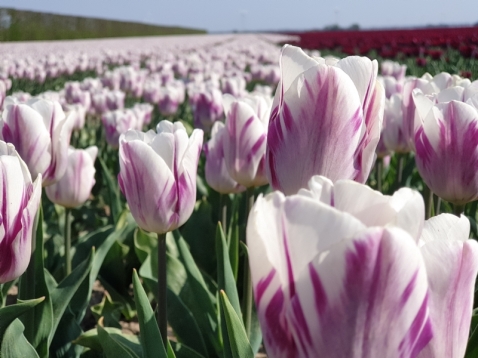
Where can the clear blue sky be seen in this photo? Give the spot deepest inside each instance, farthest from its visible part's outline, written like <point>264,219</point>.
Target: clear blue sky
<point>227,15</point>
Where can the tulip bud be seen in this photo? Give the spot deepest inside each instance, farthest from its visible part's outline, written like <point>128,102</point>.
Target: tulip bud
<point>118,122</point>
<point>74,188</point>
<point>446,145</point>
<point>245,139</point>
<point>207,108</point>
<point>217,175</point>
<point>158,175</point>
<point>326,119</point>
<point>41,134</point>
<point>19,202</point>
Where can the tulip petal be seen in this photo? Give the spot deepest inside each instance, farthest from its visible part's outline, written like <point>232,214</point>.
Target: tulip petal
<point>445,151</point>
<point>452,265</point>
<point>149,187</point>
<point>322,117</point>
<point>326,286</point>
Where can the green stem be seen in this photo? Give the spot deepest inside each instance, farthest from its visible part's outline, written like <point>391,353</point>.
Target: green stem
<point>458,209</point>
<point>162,287</point>
<point>379,174</point>
<point>67,241</point>
<point>428,197</point>
<point>401,160</point>
<point>437,209</point>
<point>223,212</point>
<point>247,293</point>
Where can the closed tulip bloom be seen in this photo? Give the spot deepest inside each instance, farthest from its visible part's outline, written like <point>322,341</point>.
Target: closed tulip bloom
<point>118,122</point>
<point>207,108</point>
<point>75,186</point>
<point>20,199</point>
<point>41,135</point>
<point>245,139</point>
<point>217,175</point>
<point>326,119</point>
<point>451,260</point>
<point>327,284</point>
<point>446,145</point>
<point>393,135</point>
<point>158,175</point>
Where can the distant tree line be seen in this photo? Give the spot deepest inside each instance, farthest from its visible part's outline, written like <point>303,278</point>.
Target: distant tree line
<point>19,25</point>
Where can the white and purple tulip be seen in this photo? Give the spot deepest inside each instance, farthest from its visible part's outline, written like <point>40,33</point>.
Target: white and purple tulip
<point>41,133</point>
<point>245,139</point>
<point>19,202</point>
<point>327,284</point>
<point>207,108</point>
<point>158,175</point>
<point>451,260</point>
<point>329,116</point>
<point>344,271</point>
<point>446,146</point>
<point>74,188</point>
<point>216,172</point>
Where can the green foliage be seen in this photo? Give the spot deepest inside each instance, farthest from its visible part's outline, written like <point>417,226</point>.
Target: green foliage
<point>21,25</point>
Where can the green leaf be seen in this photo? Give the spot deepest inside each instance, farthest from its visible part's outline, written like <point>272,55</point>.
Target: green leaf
<point>11,313</point>
<point>225,276</point>
<point>91,340</point>
<point>234,238</point>
<point>63,293</point>
<point>4,288</point>
<point>180,317</point>
<point>113,191</point>
<point>150,337</point>
<point>183,351</point>
<point>109,310</point>
<point>199,300</point>
<point>38,322</point>
<point>14,343</point>
<point>114,345</point>
<point>237,338</point>
<point>472,347</point>
<point>144,243</point>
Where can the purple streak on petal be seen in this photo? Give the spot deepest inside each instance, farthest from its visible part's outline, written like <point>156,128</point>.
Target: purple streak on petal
<point>320,297</point>
<point>408,290</point>
<point>419,334</point>
<point>277,335</point>
<point>262,286</point>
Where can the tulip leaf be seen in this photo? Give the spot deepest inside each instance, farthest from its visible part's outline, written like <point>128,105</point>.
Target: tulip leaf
<point>113,191</point>
<point>233,238</point>
<point>11,313</point>
<point>237,342</point>
<point>472,346</point>
<point>115,345</point>
<point>182,351</point>
<point>14,343</point>
<point>225,276</point>
<point>91,340</point>
<point>4,288</point>
<point>180,317</point>
<point>144,243</point>
<point>199,232</point>
<point>63,293</point>
<point>38,321</point>
<point>255,335</point>
<point>150,337</point>
<point>199,300</point>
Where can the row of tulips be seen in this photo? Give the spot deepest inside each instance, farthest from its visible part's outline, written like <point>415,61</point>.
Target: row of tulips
<point>336,268</point>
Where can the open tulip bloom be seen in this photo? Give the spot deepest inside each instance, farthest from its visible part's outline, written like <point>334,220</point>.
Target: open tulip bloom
<point>20,200</point>
<point>325,119</point>
<point>344,271</point>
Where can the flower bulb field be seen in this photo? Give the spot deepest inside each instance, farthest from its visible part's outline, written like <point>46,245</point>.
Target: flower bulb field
<point>238,196</point>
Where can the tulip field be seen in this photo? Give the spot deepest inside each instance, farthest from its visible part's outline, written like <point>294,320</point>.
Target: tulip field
<point>240,196</point>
